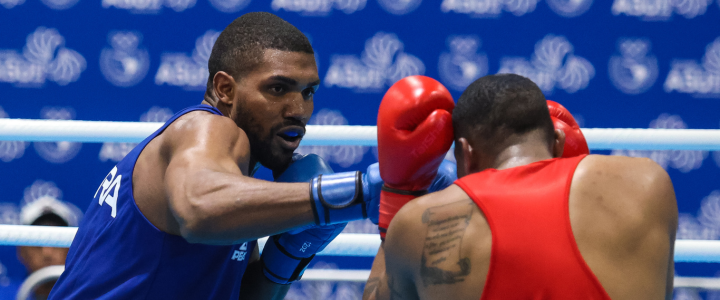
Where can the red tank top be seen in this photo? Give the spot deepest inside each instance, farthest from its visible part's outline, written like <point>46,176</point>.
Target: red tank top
<point>534,254</point>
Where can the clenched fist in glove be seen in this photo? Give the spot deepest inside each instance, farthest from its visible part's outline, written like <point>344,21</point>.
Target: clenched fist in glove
<point>414,133</point>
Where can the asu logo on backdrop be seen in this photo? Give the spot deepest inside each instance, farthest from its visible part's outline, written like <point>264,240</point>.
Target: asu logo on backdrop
<point>318,7</point>
<point>124,64</point>
<point>381,64</point>
<point>699,80</point>
<point>190,72</point>
<point>635,71</point>
<point>552,65</point>
<point>57,152</point>
<point>44,57</point>
<point>463,64</point>
<point>652,10</point>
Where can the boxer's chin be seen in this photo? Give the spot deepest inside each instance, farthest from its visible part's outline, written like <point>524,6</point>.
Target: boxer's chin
<point>278,158</point>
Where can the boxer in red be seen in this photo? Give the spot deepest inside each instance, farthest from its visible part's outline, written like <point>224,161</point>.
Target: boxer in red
<point>532,215</point>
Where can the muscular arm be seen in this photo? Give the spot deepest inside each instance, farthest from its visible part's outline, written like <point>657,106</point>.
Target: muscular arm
<point>212,199</point>
<point>424,253</point>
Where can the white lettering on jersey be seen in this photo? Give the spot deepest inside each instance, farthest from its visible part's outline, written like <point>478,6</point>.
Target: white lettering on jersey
<point>239,255</point>
<point>110,183</point>
<point>305,246</point>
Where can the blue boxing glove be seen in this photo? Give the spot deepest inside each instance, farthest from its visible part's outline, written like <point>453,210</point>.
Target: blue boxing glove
<point>286,255</point>
<point>349,196</point>
<point>372,183</point>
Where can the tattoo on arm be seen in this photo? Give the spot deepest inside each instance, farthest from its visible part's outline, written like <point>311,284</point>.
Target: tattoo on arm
<point>441,262</point>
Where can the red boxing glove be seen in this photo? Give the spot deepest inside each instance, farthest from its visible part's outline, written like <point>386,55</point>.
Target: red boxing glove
<point>575,143</point>
<point>414,133</point>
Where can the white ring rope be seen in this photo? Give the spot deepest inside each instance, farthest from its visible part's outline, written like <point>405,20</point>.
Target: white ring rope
<point>53,272</point>
<point>326,135</point>
<point>346,244</point>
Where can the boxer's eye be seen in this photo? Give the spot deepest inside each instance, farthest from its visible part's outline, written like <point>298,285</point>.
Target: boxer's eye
<point>278,89</point>
<point>308,93</point>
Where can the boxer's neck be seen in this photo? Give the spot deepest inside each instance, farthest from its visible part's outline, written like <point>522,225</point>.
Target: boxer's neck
<point>514,151</point>
<point>521,154</point>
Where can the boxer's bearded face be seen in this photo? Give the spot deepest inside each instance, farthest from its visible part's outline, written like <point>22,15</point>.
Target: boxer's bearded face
<point>274,103</point>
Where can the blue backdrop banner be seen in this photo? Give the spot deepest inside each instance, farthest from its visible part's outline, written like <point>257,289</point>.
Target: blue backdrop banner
<point>613,63</point>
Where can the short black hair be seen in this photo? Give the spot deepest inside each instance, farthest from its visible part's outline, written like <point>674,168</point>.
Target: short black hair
<point>497,106</point>
<point>239,48</point>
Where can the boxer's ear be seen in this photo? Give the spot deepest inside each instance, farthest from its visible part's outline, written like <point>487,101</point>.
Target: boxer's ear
<point>558,143</point>
<point>464,157</point>
<point>224,87</point>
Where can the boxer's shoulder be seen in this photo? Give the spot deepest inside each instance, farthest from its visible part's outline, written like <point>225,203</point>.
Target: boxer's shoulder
<point>628,194</point>
<point>204,129</point>
<point>630,174</point>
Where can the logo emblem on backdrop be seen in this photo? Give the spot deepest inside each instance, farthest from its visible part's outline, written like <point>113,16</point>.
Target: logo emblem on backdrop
<point>399,7</point>
<point>319,7</point>
<point>383,62</point>
<point>10,150</point>
<point>57,152</point>
<point>44,58</point>
<point>462,65</point>
<point>569,8</point>
<point>682,160</point>
<point>488,8</point>
<point>552,65</point>
<point>345,156</point>
<point>148,6</point>
<point>229,6</point>
<point>124,64</point>
<point>116,151</point>
<point>700,80</point>
<point>633,72</point>
<point>654,10</point>
<point>190,72</point>
<point>11,3</point>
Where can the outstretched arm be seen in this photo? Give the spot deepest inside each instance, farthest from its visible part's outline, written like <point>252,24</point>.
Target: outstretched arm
<point>212,199</point>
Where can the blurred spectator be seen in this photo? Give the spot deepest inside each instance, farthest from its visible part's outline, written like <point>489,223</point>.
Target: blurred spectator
<point>46,211</point>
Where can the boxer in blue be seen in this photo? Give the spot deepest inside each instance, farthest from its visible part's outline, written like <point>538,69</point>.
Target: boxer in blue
<point>179,216</point>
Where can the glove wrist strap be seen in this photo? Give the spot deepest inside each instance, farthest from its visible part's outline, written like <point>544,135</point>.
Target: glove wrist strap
<point>337,198</point>
<point>281,267</point>
<point>390,204</point>
<point>404,192</point>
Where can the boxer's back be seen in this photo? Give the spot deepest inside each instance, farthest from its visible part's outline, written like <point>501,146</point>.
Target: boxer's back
<point>622,215</point>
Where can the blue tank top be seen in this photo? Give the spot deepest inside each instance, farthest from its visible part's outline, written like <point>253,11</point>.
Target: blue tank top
<point>118,254</point>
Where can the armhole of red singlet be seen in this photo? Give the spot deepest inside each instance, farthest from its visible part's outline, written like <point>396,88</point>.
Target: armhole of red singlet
<point>576,249</point>
<point>481,205</point>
